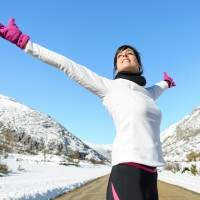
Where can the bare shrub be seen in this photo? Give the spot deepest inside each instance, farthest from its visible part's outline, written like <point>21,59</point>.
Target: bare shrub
<point>174,167</point>
<point>69,159</point>
<point>185,169</point>
<point>76,155</point>
<point>20,168</point>
<point>96,162</point>
<point>168,167</point>
<point>57,153</point>
<point>10,137</point>
<point>193,156</point>
<point>6,156</point>
<point>193,169</point>
<point>4,169</point>
<point>45,152</point>
<point>74,161</point>
<point>28,151</point>
<point>5,147</point>
<point>32,152</point>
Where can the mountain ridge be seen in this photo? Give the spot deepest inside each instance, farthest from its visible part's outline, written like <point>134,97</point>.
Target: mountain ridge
<point>29,129</point>
<point>182,138</point>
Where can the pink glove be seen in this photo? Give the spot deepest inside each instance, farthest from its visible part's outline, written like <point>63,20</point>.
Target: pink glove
<point>13,34</point>
<point>169,80</point>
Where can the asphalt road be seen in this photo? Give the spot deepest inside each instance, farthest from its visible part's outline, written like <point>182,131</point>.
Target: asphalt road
<point>96,190</point>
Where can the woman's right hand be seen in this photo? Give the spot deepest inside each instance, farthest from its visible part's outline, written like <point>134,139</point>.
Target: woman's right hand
<point>13,34</point>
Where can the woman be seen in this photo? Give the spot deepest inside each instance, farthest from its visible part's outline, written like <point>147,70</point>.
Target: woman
<point>137,147</point>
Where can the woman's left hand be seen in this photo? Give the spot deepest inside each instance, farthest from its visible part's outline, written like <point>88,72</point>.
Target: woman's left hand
<point>169,80</point>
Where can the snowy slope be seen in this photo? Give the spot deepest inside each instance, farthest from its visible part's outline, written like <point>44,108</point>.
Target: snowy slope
<point>182,138</point>
<point>35,131</point>
<point>46,180</point>
<point>104,149</point>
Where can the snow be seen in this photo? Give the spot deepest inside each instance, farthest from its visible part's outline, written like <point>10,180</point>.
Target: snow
<point>185,180</point>
<point>46,180</point>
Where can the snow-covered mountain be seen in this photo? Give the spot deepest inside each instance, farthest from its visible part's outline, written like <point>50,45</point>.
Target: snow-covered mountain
<point>104,149</point>
<point>182,138</point>
<point>26,129</point>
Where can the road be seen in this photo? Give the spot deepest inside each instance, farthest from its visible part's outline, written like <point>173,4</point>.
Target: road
<point>96,190</point>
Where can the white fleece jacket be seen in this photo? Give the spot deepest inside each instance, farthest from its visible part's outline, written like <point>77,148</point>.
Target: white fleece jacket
<point>132,108</point>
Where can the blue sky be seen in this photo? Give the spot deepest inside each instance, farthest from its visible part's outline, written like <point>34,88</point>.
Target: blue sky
<point>166,33</point>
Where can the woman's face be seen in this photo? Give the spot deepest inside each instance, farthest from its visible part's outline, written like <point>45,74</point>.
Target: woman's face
<point>127,61</point>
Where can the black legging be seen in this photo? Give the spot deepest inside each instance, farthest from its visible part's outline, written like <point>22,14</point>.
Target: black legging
<point>131,183</point>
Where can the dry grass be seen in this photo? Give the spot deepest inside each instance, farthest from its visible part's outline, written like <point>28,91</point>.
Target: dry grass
<point>4,169</point>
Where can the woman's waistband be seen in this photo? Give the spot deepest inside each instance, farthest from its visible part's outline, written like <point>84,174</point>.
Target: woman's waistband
<point>141,166</point>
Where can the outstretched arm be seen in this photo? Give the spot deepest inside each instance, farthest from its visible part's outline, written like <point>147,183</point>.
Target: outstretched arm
<point>157,89</point>
<point>88,79</point>
<point>82,75</point>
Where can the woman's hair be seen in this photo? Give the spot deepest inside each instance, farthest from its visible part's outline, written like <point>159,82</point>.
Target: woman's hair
<point>122,48</point>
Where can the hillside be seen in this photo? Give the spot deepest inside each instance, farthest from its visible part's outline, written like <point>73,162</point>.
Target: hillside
<point>182,138</point>
<point>23,129</point>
